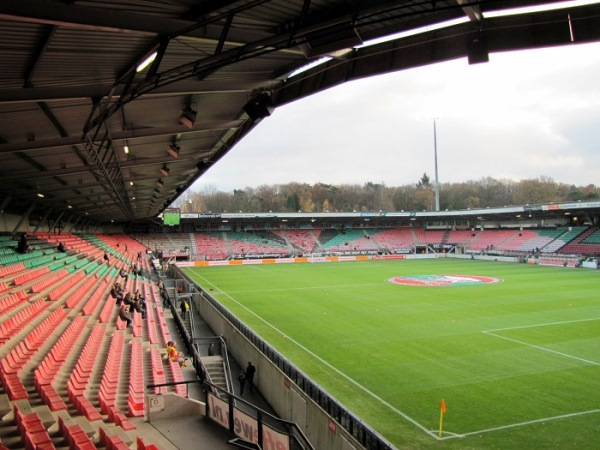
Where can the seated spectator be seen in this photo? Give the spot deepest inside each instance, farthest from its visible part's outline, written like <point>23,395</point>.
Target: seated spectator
<point>139,303</point>
<point>174,355</point>
<point>125,315</point>
<point>127,299</point>
<point>140,306</point>
<point>106,258</point>
<point>117,293</point>
<point>62,247</point>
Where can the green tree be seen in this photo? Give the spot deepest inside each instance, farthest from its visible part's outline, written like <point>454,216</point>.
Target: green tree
<point>424,182</point>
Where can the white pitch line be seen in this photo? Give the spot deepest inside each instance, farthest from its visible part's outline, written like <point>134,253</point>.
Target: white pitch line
<point>542,325</point>
<point>342,374</point>
<point>566,355</point>
<point>538,347</point>
<point>521,424</point>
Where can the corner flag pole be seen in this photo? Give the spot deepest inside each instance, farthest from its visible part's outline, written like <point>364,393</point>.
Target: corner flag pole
<point>442,412</point>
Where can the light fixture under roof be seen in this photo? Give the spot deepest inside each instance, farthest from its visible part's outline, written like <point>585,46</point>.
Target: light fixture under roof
<point>146,62</point>
<point>160,183</point>
<point>187,117</point>
<point>173,150</point>
<point>164,170</point>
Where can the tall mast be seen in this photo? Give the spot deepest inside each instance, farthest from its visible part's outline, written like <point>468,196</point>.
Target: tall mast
<point>436,185</point>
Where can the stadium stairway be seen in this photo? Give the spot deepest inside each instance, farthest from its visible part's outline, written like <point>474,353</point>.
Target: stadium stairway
<point>216,371</point>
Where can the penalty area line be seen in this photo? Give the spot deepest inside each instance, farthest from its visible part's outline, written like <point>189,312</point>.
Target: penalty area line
<point>522,424</point>
<point>548,324</point>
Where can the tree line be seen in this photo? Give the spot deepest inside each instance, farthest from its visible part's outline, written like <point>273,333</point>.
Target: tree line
<point>322,197</point>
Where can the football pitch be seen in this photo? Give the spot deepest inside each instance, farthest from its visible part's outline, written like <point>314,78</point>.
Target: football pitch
<point>516,360</point>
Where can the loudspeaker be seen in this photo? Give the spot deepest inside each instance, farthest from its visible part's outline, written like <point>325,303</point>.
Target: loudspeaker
<point>330,40</point>
<point>259,107</point>
<point>477,48</point>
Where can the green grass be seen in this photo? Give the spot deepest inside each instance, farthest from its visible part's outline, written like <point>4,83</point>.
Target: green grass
<point>517,362</point>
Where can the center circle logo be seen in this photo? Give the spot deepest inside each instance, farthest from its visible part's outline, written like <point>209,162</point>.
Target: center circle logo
<point>443,280</point>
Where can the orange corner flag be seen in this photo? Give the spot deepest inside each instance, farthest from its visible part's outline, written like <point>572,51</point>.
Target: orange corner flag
<point>442,412</point>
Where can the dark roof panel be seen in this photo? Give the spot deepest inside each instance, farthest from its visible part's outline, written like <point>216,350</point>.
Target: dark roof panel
<point>71,98</point>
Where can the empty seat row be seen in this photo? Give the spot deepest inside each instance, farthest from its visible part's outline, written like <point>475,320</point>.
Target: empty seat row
<point>136,380</point>
<point>50,367</point>
<point>64,286</point>
<point>10,301</point>
<point>18,321</point>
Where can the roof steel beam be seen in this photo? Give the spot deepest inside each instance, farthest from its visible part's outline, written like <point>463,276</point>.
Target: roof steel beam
<point>199,127</point>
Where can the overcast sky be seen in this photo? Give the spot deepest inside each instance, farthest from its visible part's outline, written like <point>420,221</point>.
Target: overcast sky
<point>522,115</point>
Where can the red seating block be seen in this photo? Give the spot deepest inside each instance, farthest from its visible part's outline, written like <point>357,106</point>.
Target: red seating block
<point>111,441</point>
<point>74,435</point>
<point>38,441</point>
<point>141,445</point>
<point>13,386</point>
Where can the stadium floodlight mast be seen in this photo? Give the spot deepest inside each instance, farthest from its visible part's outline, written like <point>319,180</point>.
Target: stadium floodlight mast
<point>436,185</point>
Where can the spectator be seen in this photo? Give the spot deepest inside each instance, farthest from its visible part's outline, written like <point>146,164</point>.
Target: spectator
<point>117,293</point>
<point>184,308</point>
<point>174,355</point>
<point>250,371</point>
<point>166,299</point>
<point>127,300</point>
<point>23,246</point>
<point>139,304</point>
<point>124,314</point>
